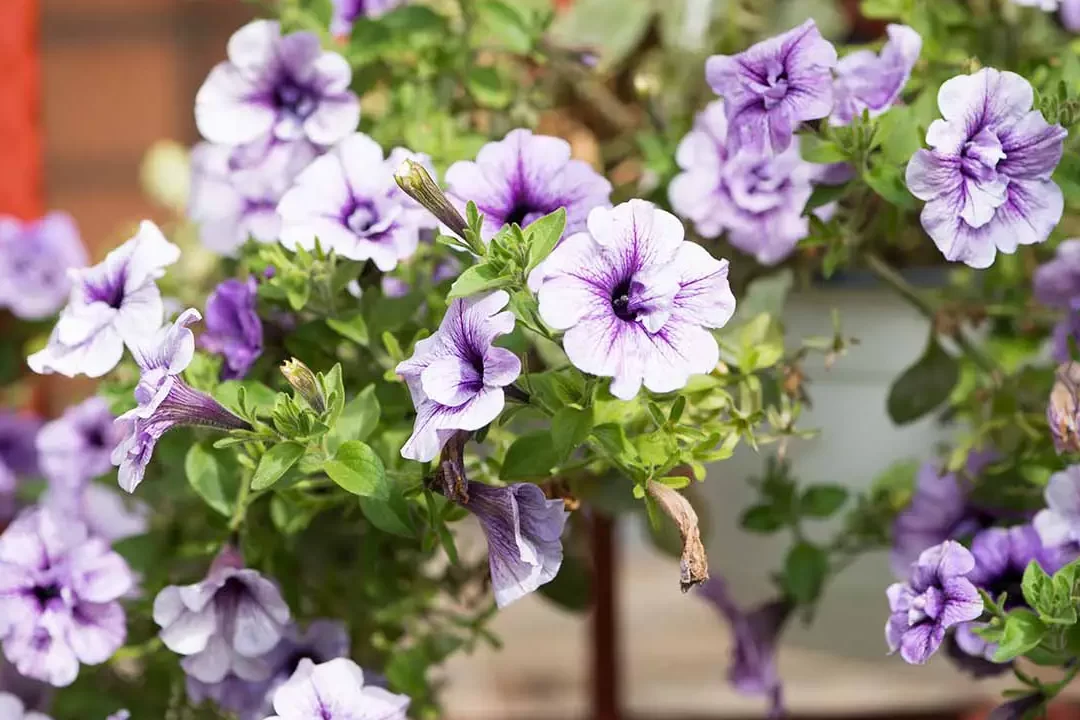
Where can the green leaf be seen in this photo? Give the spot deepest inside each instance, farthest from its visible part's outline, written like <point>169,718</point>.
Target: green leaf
<point>887,181</point>
<point>612,438</point>
<point>1050,597</point>
<point>924,386</point>
<point>818,150</point>
<point>275,463</point>
<point>766,295</point>
<point>392,515</point>
<point>805,569</point>
<point>488,87</point>
<point>569,429</point>
<point>821,501</point>
<point>476,279</point>
<point>761,519</point>
<point>506,25</point>
<point>543,235</point>
<point>258,396</point>
<point>351,326</point>
<point>531,456</point>
<point>357,421</point>
<point>1023,632</point>
<point>206,478</point>
<point>357,469</point>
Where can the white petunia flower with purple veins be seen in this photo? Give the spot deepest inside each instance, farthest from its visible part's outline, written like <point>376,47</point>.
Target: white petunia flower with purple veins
<point>986,178</point>
<point>349,201</point>
<point>35,258</point>
<point>872,82</point>
<point>346,12</point>
<point>225,624</point>
<point>772,87</point>
<point>76,446</point>
<point>283,87</point>
<point>59,592</point>
<point>335,690</point>
<point>112,304</point>
<point>12,708</point>
<point>635,300</point>
<point>456,377</point>
<point>1058,525</point>
<point>524,177</point>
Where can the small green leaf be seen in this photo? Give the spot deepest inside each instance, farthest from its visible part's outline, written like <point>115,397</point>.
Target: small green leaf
<point>477,279</point>
<point>1023,632</point>
<point>488,87</point>
<point>761,519</point>
<point>275,463</point>
<point>805,569</point>
<point>887,181</point>
<point>543,235</point>
<point>505,24</point>
<point>351,326</point>
<point>357,421</point>
<point>357,469</point>
<point>569,429</point>
<point>258,396</point>
<point>391,515</point>
<point>821,501</point>
<point>818,150</point>
<point>207,479</point>
<point>531,456</point>
<point>924,386</point>
<point>612,438</point>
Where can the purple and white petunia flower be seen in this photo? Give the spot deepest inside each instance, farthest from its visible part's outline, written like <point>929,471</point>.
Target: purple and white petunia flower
<point>225,624</point>
<point>233,327</point>
<point>276,87</point>
<point>986,178</point>
<point>524,177</point>
<point>76,446</point>
<point>867,81</point>
<point>937,596</point>
<point>164,400</point>
<point>1058,524</point>
<point>335,690</point>
<point>35,258</point>
<point>114,303</point>
<point>772,87</point>
<point>636,302</point>
<point>456,377</point>
<point>349,201</point>
<point>346,12</point>
<point>12,708</point>
<point>59,592</point>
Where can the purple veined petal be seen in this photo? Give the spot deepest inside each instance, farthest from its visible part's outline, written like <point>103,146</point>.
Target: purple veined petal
<point>172,348</point>
<point>920,642</point>
<point>930,175</point>
<point>704,295</point>
<point>222,112</point>
<point>433,418</point>
<point>97,631</point>
<point>321,188</point>
<point>99,575</point>
<point>450,382</point>
<point>637,231</point>
<point>183,631</point>
<point>680,349</point>
<point>1032,148</point>
<point>570,283</point>
<point>949,559</point>
<point>962,602</point>
<point>866,81</point>
<point>362,161</point>
<point>151,254</point>
<point>336,117</point>
<point>992,550</point>
<point>607,347</point>
<point>254,45</point>
<point>38,654</point>
<point>501,367</point>
<point>211,664</point>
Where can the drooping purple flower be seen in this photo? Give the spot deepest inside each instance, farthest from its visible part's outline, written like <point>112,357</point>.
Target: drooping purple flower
<point>937,596</point>
<point>76,446</point>
<point>347,11</point>
<point>867,81</point>
<point>335,690</point>
<point>114,303</point>
<point>756,632</point>
<point>34,261</point>
<point>225,624</point>
<point>59,589</point>
<point>1063,408</point>
<point>233,327</point>
<point>635,300</point>
<point>456,377</point>
<point>986,178</point>
<point>773,86</point>
<point>285,87</point>
<point>164,400</point>
<point>12,708</point>
<point>235,191</point>
<point>349,201</point>
<point>1058,524</point>
<point>524,177</point>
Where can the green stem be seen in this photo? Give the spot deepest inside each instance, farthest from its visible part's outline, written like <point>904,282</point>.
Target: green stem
<point>243,498</point>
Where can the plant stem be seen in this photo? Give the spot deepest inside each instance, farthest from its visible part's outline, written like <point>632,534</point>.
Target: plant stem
<point>243,496</point>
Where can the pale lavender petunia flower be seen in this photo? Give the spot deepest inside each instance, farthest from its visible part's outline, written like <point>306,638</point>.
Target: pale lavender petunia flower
<point>349,201</point>
<point>772,87</point>
<point>76,446</point>
<point>105,512</point>
<point>114,303</point>
<point>987,178</point>
<point>233,327</point>
<point>872,82</point>
<point>937,596</point>
<point>13,708</point>
<point>346,12</point>
<point>524,177</point>
<point>1070,15</point>
<point>59,589</point>
<point>635,300</point>
<point>335,690</point>
<point>1057,283</point>
<point>224,624</point>
<point>1058,524</point>
<point>456,377</point>
<point>35,258</point>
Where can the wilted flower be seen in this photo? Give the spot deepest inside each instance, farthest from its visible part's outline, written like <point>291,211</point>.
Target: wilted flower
<point>987,178</point>
<point>1059,524</point>
<point>635,300</point>
<point>12,708</point>
<point>335,690</point>
<point>347,11</point>
<point>456,377</point>
<point>112,303</point>
<point>77,445</point>
<point>34,261</point>
<point>226,623</point>
<point>285,88</point>
<point>233,327</point>
<point>866,81</point>
<point>58,604</point>
<point>1063,409</point>
<point>937,596</point>
<point>773,86</point>
<point>524,177</point>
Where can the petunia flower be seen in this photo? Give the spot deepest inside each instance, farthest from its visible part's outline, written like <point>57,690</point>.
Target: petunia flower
<point>1057,284</point>
<point>937,596</point>
<point>105,512</point>
<point>12,708</point>
<point>867,81</point>
<point>349,201</point>
<point>346,12</point>
<point>59,589</point>
<point>233,327</point>
<point>335,690</point>
<point>76,446</point>
<point>114,303</point>
<point>277,87</point>
<point>35,258</point>
<point>986,178</point>
<point>456,377</point>
<point>524,177</point>
<point>1063,408</point>
<point>772,87</point>
<point>226,623</point>
<point>635,300</point>
<point>1058,524</point>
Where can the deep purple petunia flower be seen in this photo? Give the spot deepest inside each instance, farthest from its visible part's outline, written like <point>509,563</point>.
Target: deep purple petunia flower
<point>76,446</point>
<point>59,589</point>
<point>635,300</point>
<point>524,177</point>
<point>773,86</point>
<point>225,624</point>
<point>283,87</point>
<point>34,261</point>
<point>112,303</point>
<point>937,596</point>
<point>987,178</point>
<point>13,708</point>
<point>349,201</point>
<point>164,400</point>
<point>233,327</point>
<point>335,690</point>
<point>18,457</point>
<point>753,663</point>
<point>456,377</point>
<point>347,11</point>
<point>1059,524</point>
<point>866,81</point>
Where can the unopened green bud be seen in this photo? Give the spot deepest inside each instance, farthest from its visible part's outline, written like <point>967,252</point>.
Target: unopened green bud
<point>415,181</point>
<point>304,382</point>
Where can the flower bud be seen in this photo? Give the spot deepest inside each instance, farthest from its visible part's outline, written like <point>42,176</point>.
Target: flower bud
<point>415,181</point>
<point>304,382</point>
<point>1061,411</point>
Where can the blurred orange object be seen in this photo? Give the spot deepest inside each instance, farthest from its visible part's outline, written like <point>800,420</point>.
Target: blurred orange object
<point>20,110</point>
